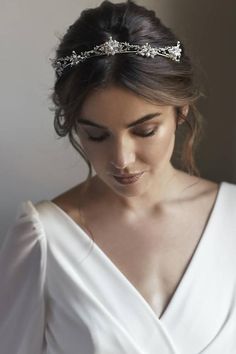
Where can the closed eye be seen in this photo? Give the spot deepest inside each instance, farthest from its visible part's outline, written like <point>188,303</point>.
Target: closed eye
<point>144,134</point>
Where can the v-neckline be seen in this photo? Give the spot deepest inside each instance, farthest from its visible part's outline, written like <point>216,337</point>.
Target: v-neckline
<point>121,274</point>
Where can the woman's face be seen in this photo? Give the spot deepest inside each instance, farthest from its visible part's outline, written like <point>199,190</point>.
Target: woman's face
<point>117,144</point>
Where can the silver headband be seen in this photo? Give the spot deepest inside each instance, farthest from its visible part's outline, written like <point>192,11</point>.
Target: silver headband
<point>113,47</point>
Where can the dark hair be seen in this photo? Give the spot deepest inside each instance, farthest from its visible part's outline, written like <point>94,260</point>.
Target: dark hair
<point>157,80</point>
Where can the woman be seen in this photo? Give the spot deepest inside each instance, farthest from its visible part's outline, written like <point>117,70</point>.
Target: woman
<point>159,276</point>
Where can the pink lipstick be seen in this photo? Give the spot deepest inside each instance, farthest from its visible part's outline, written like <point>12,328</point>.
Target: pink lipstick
<point>128,180</point>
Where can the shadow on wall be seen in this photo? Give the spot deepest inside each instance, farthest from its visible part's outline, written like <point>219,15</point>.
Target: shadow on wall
<point>208,29</point>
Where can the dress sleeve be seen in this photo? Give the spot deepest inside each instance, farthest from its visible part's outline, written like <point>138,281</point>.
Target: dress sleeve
<point>22,284</point>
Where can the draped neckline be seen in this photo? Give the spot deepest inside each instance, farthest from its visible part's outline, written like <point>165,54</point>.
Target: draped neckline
<point>129,284</point>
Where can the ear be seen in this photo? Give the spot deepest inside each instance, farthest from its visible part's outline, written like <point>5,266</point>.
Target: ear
<point>183,110</point>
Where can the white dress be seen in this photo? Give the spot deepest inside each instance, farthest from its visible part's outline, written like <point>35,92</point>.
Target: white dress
<point>61,294</point>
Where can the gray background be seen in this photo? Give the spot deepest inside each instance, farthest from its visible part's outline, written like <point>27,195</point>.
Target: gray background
<point>34,163</point>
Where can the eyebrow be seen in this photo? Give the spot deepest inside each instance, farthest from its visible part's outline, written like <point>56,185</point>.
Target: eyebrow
<point>136,122</point>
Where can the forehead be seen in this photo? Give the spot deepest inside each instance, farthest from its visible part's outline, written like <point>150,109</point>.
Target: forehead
<point>117,104</point>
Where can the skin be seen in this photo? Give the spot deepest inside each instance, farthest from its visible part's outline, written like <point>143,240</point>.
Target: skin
<point>124,150</point>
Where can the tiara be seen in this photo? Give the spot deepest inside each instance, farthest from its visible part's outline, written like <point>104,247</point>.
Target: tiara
<point>113,47</point>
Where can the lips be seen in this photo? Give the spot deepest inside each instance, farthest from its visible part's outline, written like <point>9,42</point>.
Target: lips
<point>128,176</point>
<point>128,180</point>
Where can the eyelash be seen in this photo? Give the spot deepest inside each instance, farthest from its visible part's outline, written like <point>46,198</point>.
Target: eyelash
<point>145,135</point>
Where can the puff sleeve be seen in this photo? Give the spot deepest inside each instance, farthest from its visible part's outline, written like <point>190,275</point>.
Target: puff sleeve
<point>22,284</point>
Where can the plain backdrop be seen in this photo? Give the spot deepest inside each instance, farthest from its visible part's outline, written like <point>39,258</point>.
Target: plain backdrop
<point>34,163</point>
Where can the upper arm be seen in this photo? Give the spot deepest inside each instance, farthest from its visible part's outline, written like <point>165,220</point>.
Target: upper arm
<point>22,284</point>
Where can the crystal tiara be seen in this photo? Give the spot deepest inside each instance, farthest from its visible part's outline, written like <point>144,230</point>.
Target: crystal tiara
<point>113,47</point>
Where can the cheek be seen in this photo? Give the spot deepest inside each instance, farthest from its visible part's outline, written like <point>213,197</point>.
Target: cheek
<point>162,146</point>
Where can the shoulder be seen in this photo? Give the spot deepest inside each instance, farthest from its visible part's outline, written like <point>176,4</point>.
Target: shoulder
<point>209,191</point>
<point>26,221</point>
<point>25,239</point>
<point>198,189</point>
<point>229,187</point>
<point>75,199</point>
<point>228,196</point>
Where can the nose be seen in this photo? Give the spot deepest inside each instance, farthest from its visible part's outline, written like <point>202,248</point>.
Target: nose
<point>122,154</point>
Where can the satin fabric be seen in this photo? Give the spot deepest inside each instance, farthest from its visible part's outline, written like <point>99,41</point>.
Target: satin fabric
<point>61,294</point>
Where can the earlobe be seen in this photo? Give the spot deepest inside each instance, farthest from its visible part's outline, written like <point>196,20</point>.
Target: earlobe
<point>183,111</point>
